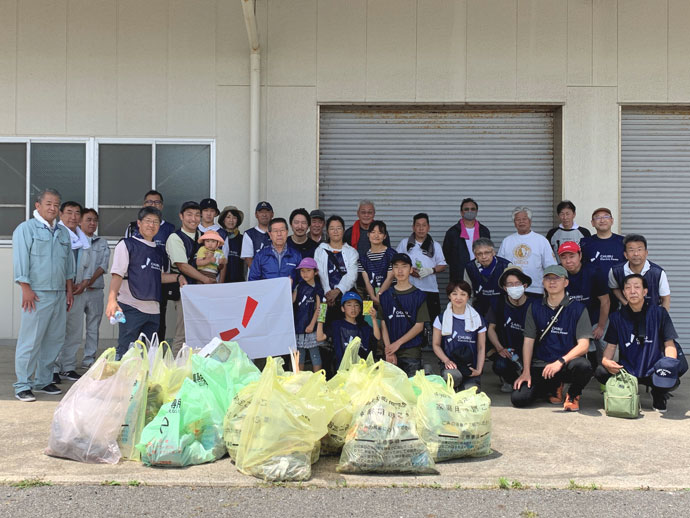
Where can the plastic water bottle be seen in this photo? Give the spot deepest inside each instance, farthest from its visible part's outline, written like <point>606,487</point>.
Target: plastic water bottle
<point>515,358</point>
<point>118,318</point>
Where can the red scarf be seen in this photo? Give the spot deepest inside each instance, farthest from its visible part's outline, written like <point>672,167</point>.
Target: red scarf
<point>463,231</point>
<point>355,234</point>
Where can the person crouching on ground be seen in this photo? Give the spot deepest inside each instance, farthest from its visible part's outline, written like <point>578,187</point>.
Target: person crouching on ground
<point>210,259</point>
<point>459,339</point>
<point>137,273</point>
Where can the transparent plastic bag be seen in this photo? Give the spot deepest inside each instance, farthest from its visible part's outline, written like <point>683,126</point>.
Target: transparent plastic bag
<point>136,409</point>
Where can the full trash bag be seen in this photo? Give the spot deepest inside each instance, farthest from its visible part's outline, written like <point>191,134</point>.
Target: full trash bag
<point>88,420</point>
<point>134,423</point>
<point>453,425</point>
<point>281,430</point>
<point>237,411</point>
<point>184,432</point>
<point>166,375</point>
<point>383,436</point>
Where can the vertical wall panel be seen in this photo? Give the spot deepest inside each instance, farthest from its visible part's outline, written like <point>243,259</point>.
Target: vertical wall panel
<point>678,51</point>
<point>491,50</point>
<point>232,45</point>
<point>391,50</point>
<point>441,50</point>
<point>41,64</point>
<point>6,285</point>
<point>292,42</point>
<point>8,65</point>
<point>579,42</point>
<point>191,68</point>
<point>642,38</point>
<point>91,67</point>
<point>604,43</point>
<point>142,46</point>
<point>541,50</point>
<point>341,50</point>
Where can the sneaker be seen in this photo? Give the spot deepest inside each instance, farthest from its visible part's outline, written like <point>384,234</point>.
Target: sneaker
<point>26,396</point>
<point>56,379</point>
<point>659,402</point>
<point>572,404</point>
<point>70,375</point>
<point>50,389</point>
<point>506,387</point>
<point>557,398</point>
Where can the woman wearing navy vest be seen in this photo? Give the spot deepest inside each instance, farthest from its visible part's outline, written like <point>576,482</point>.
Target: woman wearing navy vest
<point>507,325</point>
<point>375,264</point>
<point>557,335</point>
<point>645,338</point>
<point>459,338</point>
<point>137,273</point>
<point>230,220</point>
<point>483,273</point>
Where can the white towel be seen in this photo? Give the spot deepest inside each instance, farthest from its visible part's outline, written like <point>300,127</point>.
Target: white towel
<point>78,239</point>
<point>472,320</point>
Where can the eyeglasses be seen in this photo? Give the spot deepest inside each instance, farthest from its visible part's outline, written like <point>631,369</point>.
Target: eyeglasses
<point>157,203</point>
<point>602,218</point>
<point>150,221</point>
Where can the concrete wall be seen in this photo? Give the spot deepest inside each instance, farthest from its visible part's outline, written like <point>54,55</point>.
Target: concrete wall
<point>180,68</point>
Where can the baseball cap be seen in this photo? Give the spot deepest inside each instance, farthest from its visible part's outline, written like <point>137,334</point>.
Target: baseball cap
<point>209,203</point>
<point>512,269</point>
<point>350,295</point>
<point>189,205</point>
<point>307,262</point>
<point>568,246</point>
<point>263,205</point>
<point>665,373</point>
<point>601,209</point>
<point>401,258</point>
<point>211,234</point>
<point>555,269</point>
<point>317,213</point>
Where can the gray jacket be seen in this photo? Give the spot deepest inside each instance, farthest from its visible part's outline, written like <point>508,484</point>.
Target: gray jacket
<point>99,256</point>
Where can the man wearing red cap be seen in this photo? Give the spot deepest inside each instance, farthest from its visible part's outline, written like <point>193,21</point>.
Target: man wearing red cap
<point>587,284</point>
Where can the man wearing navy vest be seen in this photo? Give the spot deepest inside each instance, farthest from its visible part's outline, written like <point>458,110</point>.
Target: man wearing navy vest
<point>182,246</point>
<point>557,334</point>
<point>277,259</point>
<point>170,292</point>
<point>646,341</point>
<point>458,243</point>
<point>483,273</point>
<point>257,237</point>
<point>403,314</point>
<point>636,253</point>
<point>138,271</point>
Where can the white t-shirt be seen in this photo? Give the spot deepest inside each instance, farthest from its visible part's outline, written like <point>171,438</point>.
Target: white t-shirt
<point>437,323</point>
<point>531,252</point>
<point>470,241</point>
<point>428,283</point>
<point>664,288</point>
<point>120,267</point>
<point>248,244</point>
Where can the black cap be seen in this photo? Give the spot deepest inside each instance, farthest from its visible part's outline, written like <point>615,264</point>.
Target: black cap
<point>401,258</point>
<point>189,205</point>
<point>263,205</point>
<point>209,203</point>
<point>317,213</point>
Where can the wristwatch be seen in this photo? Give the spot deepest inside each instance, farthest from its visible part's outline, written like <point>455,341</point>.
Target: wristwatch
<point>562,360</point>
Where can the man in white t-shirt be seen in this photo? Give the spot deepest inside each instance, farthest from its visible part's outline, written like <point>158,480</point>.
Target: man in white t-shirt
<point>530,251</point>
<point>427,260</point>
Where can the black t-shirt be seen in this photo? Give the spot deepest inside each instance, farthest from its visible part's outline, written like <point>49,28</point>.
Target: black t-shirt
<point>306,249</point>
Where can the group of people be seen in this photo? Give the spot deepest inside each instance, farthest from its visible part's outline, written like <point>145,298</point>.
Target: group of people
<point>541,309</point>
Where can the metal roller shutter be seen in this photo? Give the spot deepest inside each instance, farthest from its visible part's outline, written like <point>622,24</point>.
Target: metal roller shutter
<point>427,160</point>
<point>655,189</point>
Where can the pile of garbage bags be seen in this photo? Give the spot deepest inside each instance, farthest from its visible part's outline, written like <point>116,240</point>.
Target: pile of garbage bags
<point>274,424</point>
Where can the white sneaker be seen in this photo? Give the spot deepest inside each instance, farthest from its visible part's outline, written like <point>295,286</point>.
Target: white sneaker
<point>506,387</point>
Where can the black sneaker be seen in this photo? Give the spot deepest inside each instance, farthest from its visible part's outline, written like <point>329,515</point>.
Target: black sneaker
<point>70,375</point>
<point>26,396</point>
<point>659,402</point>
<point>50,389</point>
<point>56,379</point>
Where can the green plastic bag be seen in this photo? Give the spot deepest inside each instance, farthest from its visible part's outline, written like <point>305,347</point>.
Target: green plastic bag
<point>166,375</point>
<point>452,425</point>
<point>184,432</point>
<point>281,430</point>
<point>134,421</point>
<point>621,398</point>
<point>383,434</point>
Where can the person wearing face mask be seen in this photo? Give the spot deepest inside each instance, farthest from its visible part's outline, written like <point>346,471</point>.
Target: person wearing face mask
<point>483,273</point>
<point>459,239</point>
<point>507,324</point>
<point>567,230</point>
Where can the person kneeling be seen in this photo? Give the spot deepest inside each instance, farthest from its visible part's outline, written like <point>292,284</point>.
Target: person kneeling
<point>649,352</point>
<point>137,273</point>
<point>557,333</point>
<point>459,338</point>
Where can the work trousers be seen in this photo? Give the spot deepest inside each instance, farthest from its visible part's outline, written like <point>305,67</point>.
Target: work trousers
<point>94,314</point>
<point>67,359</point>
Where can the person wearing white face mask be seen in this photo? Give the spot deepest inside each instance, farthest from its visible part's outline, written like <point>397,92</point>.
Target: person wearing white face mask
<point>459,239</point>
<point>506,325</point>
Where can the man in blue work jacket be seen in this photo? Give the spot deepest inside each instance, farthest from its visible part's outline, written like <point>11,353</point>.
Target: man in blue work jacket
<point>278,259</point>
<point>44,268</point>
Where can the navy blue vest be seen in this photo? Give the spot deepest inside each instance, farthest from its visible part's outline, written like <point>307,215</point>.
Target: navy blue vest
<point>400,314</point>
<point>305,304</point>
<point>343,331</point>
<point>235,266</point>
<point>461,346</point>
<point>336,268</point>
<point>259,239</point>
<point>586,286</point>
<point>653,275</point>
<point>637,358</point>
<point>160,238</point>
<point>377,271</point>
<point>144,271</point>
<point>562,337</point>
<point>191,247</point>
<point>510,324</point>
<point>485,287</point>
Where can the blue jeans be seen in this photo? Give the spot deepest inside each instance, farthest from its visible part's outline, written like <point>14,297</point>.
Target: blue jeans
<point>136,323</point>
